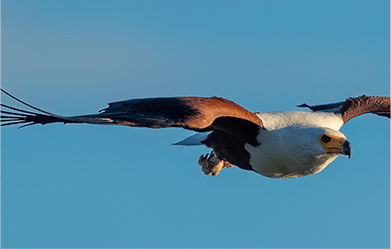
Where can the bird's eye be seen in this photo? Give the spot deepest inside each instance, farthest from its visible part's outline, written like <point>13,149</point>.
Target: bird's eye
<point>325,139</point>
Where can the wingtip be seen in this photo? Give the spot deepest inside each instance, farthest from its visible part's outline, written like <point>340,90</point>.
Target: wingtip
<point>303,105</point>
<point>15,116</point>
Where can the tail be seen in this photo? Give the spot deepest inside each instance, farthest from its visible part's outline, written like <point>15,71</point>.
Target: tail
<point>195,139</point>
<point>14,116</point>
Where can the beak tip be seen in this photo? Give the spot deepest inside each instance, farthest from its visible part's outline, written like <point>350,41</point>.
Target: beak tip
<point>347,148</point>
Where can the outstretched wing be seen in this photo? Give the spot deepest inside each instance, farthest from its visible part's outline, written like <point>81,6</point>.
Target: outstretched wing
<point>353,107</point>
<point>13,116</point>
<point>192,113</point>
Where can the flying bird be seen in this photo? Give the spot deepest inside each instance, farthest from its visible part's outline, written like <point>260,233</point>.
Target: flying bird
<point>274,144</point>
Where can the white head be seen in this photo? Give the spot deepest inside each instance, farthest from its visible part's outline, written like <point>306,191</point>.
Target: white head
<point>330,141</point>
<point>297,151</point>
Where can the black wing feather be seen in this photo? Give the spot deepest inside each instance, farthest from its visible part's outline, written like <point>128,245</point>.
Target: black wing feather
<point>353,107</point>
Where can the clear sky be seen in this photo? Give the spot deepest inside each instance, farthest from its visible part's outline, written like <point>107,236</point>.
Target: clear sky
<point>74,186</point>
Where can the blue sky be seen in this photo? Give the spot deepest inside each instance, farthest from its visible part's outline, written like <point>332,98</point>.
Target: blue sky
<point>110,187</point>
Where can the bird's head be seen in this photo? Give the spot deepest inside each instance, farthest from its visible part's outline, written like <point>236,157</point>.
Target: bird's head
<point>297,151</point>
<point>310,141</point>
<point>334,142</point>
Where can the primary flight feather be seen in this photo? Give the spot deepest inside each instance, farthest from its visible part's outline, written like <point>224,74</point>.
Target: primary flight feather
<point>273,144</point>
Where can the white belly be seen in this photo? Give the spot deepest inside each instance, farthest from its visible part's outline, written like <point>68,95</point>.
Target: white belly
<point>286,165</point>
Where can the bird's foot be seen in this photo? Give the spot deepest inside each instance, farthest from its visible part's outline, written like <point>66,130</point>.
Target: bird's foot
<point>212,165</point>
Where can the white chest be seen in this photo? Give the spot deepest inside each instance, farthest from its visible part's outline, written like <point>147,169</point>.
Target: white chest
<point>275,159</point>
<point>289,146</point>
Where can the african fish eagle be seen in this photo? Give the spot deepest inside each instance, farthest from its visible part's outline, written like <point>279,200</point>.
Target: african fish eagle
<point>273,144</point>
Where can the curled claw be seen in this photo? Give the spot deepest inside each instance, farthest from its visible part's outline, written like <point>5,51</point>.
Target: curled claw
<point>211,164</point>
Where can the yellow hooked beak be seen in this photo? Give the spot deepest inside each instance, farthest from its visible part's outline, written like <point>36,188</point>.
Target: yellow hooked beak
<point>335,144</point>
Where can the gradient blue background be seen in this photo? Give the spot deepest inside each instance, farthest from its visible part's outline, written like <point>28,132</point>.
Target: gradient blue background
<point>106,186</point>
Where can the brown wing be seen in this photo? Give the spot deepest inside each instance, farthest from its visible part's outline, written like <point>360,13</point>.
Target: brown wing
<point>193,113</point>
<point>353,107</point>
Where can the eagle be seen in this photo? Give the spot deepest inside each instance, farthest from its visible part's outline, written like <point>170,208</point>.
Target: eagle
<point>274,144</point>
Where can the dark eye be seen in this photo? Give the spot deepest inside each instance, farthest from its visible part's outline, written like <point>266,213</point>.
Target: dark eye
<point>325,139</point>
